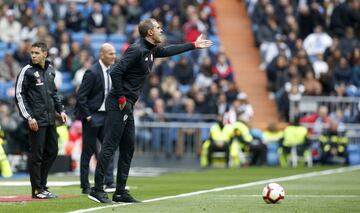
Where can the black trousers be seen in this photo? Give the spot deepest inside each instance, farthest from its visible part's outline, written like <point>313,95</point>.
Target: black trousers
<point>214,148</point>
<point>119,133</point>
<point>92,131</point>
<point>43,152</point>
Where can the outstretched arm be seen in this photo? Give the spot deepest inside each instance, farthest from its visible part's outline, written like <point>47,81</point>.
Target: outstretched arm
<point>202,42</point>
<point>175,49</point>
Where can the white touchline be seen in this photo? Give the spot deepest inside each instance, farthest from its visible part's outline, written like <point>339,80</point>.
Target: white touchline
<point>295,196</point>
<point>261,182</point>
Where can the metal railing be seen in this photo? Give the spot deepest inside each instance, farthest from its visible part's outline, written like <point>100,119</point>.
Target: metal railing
<point>309,104</point>
<point>173,133</point>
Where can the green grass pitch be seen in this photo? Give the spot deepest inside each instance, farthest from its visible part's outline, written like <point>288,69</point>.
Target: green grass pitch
<point>339,192</point>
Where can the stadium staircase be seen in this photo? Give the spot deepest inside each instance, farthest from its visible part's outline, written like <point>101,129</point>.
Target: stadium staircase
<point>234,29</point>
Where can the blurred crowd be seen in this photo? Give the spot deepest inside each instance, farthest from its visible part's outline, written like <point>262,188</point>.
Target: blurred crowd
<point>199,84</point>
<point>308,48</point>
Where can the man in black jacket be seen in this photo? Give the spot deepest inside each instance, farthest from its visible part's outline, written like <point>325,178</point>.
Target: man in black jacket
<point>38,102</point>
<point>128,77</point>
<point>90,109</point>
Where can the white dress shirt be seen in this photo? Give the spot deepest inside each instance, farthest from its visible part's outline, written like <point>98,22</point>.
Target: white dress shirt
<point>107,84</point>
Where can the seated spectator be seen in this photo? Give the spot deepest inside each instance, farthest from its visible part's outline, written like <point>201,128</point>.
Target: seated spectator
<point>73,18</point>
<point>246,111</point>
<point>184,73</point>
<point>316,43</point>
<point>5,168</point>
<point>312,86</point>
<point>257,148</point>
<point>116,21</point>
<point>133,12</point>
<point>344,15</point>
<point>333,145</point>
<point>342,73</point>
<point>29,31</point>
<point>356,67</point>
<point>9,68</point>
<point>348,43</point>
<point>174,33</point>
<point>219,140</point>
<point>97,21</point>
<point>222,69</point>
<point>276,73</point>
<point>241,142</point>
<point>295,137</point>
<point>272,134</point>
<point>204,78</point>
<point>10,28</point>
<point>319,120</point>
<point>160,136</point>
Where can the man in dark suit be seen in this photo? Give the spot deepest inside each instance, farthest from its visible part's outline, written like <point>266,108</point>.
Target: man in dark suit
<point>90,109</point>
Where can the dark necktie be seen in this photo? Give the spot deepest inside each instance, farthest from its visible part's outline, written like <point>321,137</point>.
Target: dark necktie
<point>108,80</point>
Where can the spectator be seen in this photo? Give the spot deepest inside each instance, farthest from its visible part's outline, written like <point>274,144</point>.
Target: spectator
<point>333,145</point>
<point>174,34</point>
<point>295,137</point>
<point>133,12</point>
<point>312,86</point>
<point>9,68</point>
<point>183,71</point>
<point>40,16</point>
<point>21,54</point>
<point>317,42</point>
<point>219,140</point>
<point>348,43</point>
<point>29,31</point>
<point>204,78</point>
<point>97,21</point>
<point>356,67</point>
<point>116,21</point>
<point>10,28</point>
<point>342,73</point>
<point>222,69</point>
<point>345,15</point>
<point>73,18</point>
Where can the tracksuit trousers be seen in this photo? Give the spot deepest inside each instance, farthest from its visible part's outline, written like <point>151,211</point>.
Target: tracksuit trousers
<point>119,133</point>
<point>43,152</point>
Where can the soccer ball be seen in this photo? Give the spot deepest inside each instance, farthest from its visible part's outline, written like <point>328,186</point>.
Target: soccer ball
<point>273,193</point>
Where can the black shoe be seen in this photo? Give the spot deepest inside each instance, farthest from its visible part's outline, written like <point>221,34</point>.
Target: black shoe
<point>124,197</point>
<point>86,191</point>
<point>110,187</point>
<point>40,195</point>
<point>99,196</point>
<point>49,194</point>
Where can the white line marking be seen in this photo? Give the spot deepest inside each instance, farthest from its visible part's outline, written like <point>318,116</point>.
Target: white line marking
<point>256,183</point>
<point>299,196</point>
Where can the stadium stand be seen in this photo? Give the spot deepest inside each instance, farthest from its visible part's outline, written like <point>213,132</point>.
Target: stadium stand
<point>281,41</point>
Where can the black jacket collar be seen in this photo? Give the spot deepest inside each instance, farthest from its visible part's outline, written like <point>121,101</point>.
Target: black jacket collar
<point>147,44</point>
<point>47,63</point>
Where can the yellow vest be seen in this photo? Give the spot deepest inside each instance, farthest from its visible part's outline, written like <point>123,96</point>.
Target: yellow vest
<point>294,135</point>
<point>244,129</point>
<point>272,137</point>
<point>218,134</point>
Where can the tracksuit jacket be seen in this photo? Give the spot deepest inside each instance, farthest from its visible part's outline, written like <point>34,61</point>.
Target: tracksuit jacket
<point>36,94</point>
<point>129,75</point>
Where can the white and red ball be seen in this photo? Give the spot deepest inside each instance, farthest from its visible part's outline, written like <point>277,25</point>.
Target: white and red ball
<point>273,193</point>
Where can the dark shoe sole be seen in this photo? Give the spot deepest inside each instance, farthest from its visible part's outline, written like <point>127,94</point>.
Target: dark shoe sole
<point>97,200</point>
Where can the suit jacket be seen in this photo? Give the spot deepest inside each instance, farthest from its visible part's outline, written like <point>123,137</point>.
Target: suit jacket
<point>91,94</point>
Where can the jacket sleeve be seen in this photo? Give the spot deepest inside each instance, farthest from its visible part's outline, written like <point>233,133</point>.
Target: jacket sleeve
<point>130,57</point>
<point>170,50</point>
<point>59,107</point>
<point>22,85</point>
<point>84,91</point>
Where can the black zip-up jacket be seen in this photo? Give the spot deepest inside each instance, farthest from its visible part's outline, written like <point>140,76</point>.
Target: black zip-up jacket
<point>129,74</point>
<point>36,94</point>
